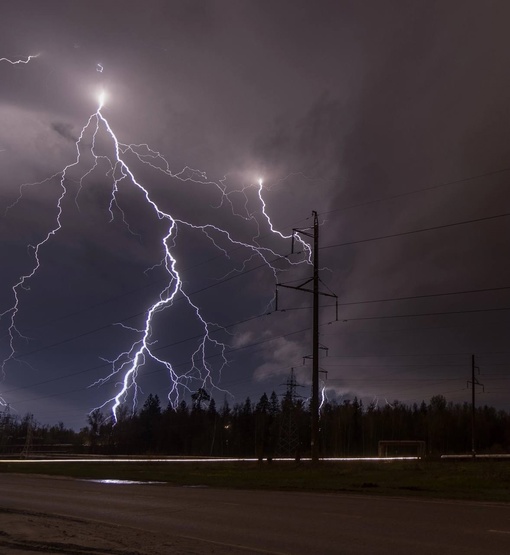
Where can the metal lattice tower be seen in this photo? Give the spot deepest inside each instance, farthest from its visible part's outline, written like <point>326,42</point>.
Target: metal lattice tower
<point>27,448</point>
<point>288,444</point>
<point>5,424</point>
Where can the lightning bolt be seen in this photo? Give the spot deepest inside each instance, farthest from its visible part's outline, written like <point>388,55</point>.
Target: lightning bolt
<point>126,367</point>
<point>20,60</point>
<point>324,397</point>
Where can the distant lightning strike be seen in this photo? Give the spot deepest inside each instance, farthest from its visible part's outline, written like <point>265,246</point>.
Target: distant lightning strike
<point>127,365</point>
<point>20,60</point>
<point>324,396</point>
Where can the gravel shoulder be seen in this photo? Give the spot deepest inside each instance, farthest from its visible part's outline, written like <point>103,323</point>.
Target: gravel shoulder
<point>26,532</point>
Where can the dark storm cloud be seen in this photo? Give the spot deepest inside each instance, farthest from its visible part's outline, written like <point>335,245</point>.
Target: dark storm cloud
<point>311,143</point>
<point>421,108</point>
<point>334,105</point>
<point>65,130</point>
<point>433,84</point>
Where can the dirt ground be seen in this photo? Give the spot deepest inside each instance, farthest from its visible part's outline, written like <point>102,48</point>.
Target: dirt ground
<point>25,532</point>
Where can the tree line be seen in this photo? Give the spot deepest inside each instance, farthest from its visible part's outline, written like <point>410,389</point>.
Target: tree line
<point>268,428</point>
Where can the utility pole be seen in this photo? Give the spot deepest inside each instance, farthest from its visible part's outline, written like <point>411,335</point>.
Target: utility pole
<point>314,405</point>
<point>315,352</point>
<point>474,382</point>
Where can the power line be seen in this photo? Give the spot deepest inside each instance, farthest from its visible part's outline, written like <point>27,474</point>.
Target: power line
<point>351,303</point>
<point>393,365</point>
<point>300,308</point>
<point>419,314</point>
<point>155,282</point>
<point>111,299</point>
<point>101,328</point>
<point>398,380</point>
<point>409,315</point>
<point>422,230</point>
<point>104,365</point>
<point>426,296</point>
<point>416,329</point>
<point>257,344</point>
<point>173,366</point>
<point>401,355</point>
<point>424,189</point>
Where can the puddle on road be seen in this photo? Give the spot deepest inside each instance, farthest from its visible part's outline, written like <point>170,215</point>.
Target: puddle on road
<point>122,482</point>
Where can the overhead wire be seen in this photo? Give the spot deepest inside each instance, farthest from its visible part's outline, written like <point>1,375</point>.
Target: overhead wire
<point>415,191</point>
<point>414,231</point>
<point>279,258</point>
<point>465,222</point>
<point>136,290</point>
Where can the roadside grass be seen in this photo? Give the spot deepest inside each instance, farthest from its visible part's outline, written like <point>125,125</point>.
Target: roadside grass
<point>474,480</point>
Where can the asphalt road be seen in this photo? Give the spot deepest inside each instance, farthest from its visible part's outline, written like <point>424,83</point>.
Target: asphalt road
<point>233,521</point>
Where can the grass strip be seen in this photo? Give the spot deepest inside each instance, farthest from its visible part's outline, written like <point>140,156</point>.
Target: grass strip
<point>474,480</point>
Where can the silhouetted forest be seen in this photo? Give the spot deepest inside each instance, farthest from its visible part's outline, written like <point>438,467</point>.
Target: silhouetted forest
<point>268,428</point>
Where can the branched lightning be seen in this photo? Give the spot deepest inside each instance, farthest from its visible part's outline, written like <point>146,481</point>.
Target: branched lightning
<point>127,365</point>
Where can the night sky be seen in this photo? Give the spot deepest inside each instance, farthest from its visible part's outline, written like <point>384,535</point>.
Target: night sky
<point>390,119</point>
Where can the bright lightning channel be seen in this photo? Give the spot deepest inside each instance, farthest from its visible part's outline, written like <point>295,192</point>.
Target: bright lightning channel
<point>20,60</point>
<point>324,397</point>
<point>127,365</point>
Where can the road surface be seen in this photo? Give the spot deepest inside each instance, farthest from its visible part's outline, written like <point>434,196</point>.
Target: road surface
<point>61,515</point>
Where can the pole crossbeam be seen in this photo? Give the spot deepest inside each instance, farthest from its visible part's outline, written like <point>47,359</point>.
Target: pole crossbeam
<point>301,288</point>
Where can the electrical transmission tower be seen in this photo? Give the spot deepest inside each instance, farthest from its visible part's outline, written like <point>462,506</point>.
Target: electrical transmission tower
<point>27,448</point>
<point>288,443</point>
<point>5,427</point>
<point>313,233</point>
<point>474,382</point>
